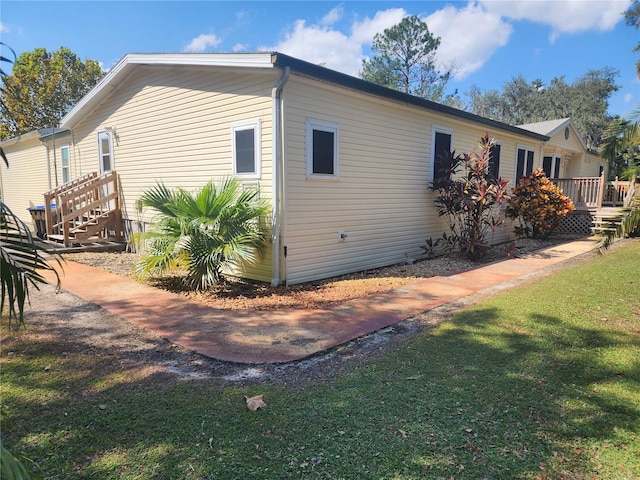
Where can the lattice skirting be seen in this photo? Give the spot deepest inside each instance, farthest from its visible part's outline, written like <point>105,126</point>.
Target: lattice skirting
<point>577,223</point>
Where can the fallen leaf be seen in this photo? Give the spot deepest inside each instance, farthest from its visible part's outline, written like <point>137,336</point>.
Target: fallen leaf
<point>254,403</point>
<point>102,406</point>
<point>47,368</point>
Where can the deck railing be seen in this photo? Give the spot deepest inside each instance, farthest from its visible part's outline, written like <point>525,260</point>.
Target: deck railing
<point>617,192</point>
<point>586,192</point>
<point>83,207</point>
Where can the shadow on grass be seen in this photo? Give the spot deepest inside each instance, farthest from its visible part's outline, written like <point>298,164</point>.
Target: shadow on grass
<point>473,398</point>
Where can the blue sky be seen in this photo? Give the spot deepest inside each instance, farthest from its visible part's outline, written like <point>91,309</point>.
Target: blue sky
<point>489,41</point>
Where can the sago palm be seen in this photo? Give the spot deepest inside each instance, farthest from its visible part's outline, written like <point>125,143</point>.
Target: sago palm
<point>215,229</point>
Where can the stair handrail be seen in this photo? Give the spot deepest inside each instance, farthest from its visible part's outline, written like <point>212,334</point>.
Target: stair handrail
<point>51,200</point>
<point>79,203</point>
<point>631,192</point>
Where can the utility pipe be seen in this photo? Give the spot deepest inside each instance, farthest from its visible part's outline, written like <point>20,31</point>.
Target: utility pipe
<point>278,170</point>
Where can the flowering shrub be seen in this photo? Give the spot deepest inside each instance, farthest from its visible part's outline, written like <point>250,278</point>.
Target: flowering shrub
<point>538,205</point>
<point>469,200</point>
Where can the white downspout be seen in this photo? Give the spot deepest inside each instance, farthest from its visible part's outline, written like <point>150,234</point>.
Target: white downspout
<point>278,170</point>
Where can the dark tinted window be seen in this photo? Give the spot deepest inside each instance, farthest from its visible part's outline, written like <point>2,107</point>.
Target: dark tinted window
<point>442,150</point>
<point>245,151</point>
<point>494,162</point>
<point>323,152</point>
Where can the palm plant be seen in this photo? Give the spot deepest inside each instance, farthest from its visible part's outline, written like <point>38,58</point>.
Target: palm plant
<point>21,260</point>
<point>215,229</point>
<point>621,143</point>
<point>628,227</point>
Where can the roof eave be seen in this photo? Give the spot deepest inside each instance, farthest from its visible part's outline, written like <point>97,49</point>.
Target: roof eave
<point>354,83</point>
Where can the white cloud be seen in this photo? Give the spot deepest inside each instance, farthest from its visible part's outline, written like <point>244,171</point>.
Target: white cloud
<point>333,16</point>
<point>468,52</point>
<point>240,47</point>
<point>566,16</point>
<point>470,34</point>
<point>323,46</point>
<point>3,28</point>
<point>202,42</point>
<point>364,31</point>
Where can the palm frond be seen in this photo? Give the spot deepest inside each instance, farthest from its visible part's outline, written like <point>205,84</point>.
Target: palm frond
<point>630,225</point>
<point>21,261</point>
<point>215,228</point>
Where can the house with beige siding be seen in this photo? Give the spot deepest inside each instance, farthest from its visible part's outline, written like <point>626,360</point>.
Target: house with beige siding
<point>346,164</point>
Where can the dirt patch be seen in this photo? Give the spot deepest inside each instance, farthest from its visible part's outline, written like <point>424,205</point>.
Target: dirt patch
<point>64,324</point>
<point>239,294</point>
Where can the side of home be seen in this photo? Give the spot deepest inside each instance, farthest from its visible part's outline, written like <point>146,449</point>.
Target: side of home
<point>373,205</point>
<point>346,164</point>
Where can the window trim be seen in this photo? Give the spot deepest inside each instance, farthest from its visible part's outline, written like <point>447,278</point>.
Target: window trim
<point>323,126</point>
<point>106,134</point>
<point>526,149</point>
<point>556,163</point>
<point>62,165</point>
<point>434,130</point>
<point>255,125</point>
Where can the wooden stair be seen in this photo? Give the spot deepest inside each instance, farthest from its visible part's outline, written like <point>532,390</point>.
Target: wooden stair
<point>85,210</point>
<point>606,221</point>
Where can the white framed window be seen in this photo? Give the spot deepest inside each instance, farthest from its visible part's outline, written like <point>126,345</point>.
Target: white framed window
<point>551,165</point>
<point>524,161</point>
<point>105,152</point>
<point>245,148</point>
<point>322,149</point>
<point>65,164</point>
<point>441,141</point>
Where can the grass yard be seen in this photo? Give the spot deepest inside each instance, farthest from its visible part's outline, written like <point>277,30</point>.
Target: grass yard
<point>539,382</point>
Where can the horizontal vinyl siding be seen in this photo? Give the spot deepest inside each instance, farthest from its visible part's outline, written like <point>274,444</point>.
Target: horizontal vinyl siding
<point>27,178</point>
<point>381,199</point>
<point>174,126</point>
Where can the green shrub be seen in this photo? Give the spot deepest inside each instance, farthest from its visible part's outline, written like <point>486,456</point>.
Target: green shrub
<point>538,205</point>
<point>467,200</point>
<point>206,232</point>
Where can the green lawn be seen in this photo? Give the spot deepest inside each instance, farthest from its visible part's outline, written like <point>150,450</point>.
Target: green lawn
<point>540,382</point>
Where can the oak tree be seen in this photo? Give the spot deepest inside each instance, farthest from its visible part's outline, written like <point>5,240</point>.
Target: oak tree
<point>42,87</point>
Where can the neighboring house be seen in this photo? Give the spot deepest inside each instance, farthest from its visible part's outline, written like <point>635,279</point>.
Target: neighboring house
<point>347,164</point>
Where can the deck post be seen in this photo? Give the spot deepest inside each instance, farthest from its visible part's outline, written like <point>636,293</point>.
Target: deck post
<point>601,190</point>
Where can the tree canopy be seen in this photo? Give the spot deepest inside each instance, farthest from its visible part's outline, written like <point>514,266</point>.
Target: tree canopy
<point>405,60</point>
<point>42,87</point>
<point>632,17</point>
<point>521,101</point>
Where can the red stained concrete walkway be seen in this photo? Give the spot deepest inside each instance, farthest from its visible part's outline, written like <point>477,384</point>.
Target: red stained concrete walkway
<point>271,336</point>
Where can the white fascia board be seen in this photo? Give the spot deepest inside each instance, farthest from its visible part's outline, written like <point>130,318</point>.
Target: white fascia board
<point>127,64</point>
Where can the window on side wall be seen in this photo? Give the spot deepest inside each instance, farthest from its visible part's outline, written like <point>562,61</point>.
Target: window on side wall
<point>322,149</point>
<point>246,148</point>
<point>524,162</point>
<point>65,165</point>
<point>105,152</point>
<point>441,140</point>
<point>494,162</point>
